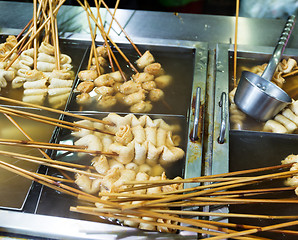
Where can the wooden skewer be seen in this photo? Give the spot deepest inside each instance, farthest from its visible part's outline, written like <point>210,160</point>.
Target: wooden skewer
<point>34,31</point>
<point>53,120</point>
<point>109,51</point>
<point>290,73</point>
<point>41,143</point>
<point>243,200</point>
<point>30,139</point>
<point>53,147</point>
<point>193,204</point>
<point>57,49</point>
<point>123,55</point>
<point>93,43</point>
<point>188,221</point>
<point>229,174</point>
<point>114,44</point>
<point>122,196</point>
<point>146,186</point>
<point>24,29</point>
<point>47,28</point>
<point>36,178</point>
<point>127,195</point>
<point>53,33</point>
<point>200,187</point>
<point>40,120</point>
<point>55,110</point>
<point>138,214</point>
<point>217,187</point>
<point>235,44</point>
<point>90,58</point>
<point>107,45</point>
<point>166,205</point>
<point>53,184</point>
<point>256,230</point>
<point>247,182</point>
<point>81,209</point>
<point>126,35</point>
<point>17,45</point>
<point>155,183</point>
<point>262,191</point>
<point>31,38</point>
<point>117,63</point>
<point>92,49</point>
<point>218,214</point>
<point>50,163</point>
<point>104,36</point>
<point>113,16</point>
<point>242,226</point>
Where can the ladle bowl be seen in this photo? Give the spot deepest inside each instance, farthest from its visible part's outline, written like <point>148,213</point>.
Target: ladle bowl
<point>260,98</point>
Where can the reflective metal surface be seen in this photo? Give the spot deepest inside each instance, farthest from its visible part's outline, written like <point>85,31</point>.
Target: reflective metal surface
<point>202,32</point>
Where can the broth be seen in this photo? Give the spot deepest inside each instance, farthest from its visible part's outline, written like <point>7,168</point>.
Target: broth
<point>14,188</point>
<point>176,62</point>
<point>57,204</point>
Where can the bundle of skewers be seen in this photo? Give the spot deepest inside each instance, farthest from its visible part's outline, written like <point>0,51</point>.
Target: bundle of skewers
<point>106,83</point>
<point>162,204</point>
<point>32,61</point>
<point>158,210</point>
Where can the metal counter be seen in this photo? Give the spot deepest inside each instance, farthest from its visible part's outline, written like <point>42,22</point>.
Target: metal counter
<point>150,27</point>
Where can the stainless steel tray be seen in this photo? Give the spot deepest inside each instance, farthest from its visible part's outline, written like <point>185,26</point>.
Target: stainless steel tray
<point>247,56</point>
<point>177,61</point>
<point>250,150</point>
<point>53,204</point>
<point>57,204</point>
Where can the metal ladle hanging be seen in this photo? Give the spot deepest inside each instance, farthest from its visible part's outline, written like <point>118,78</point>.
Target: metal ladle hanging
<point>256,95</point>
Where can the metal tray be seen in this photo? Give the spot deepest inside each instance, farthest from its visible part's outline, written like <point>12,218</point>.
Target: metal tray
<point>250,150</point>
<point>57,204</point>
<point>177,61</point>
<point>53,207</point>
<point>247,56</point>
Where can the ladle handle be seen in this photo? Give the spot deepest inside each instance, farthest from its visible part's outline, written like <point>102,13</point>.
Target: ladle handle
<point>196,124</point>
<point>279,49</point>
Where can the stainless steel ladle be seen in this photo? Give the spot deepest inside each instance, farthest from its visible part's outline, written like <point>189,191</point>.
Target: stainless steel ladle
<point>256,95</point>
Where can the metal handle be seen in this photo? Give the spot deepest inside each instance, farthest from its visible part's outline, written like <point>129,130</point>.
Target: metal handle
<point>223,118</point>
<point>279,49</point>
<point>197,115</point>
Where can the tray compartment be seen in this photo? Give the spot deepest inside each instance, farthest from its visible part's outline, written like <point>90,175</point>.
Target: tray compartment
<point>250,150</point>
<point>57,204</point>
<point>176,61</point>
